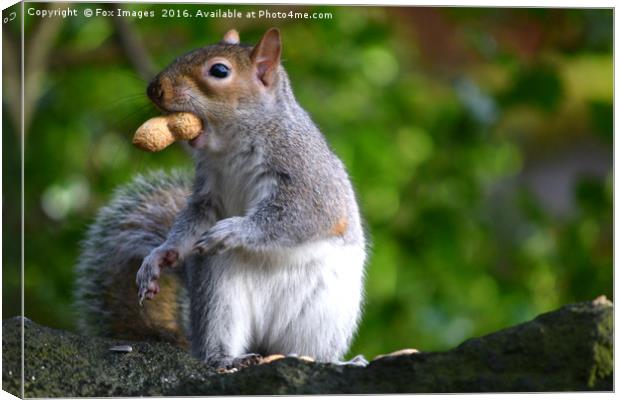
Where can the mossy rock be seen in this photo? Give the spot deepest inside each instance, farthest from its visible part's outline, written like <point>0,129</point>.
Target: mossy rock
<point>565,350</point>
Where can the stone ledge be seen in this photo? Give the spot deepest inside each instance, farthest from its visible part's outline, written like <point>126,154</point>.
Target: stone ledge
<point>569,349</point>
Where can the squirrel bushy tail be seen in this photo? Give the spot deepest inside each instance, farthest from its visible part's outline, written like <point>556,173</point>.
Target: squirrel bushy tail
<point>125,231</point>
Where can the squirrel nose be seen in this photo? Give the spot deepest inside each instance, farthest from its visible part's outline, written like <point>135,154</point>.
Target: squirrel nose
<point>155,92</point>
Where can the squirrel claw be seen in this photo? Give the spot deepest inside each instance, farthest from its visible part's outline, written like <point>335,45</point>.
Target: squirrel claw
<point>221,237</point>
<point>141,296</point>
<point>245,360</point>
<point>208,249</point>
<point>205,246</point>
<point>148,293</point>
<point>148,274</point>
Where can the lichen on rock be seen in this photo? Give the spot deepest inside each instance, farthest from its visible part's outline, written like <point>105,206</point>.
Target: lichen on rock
<point>569,349</point>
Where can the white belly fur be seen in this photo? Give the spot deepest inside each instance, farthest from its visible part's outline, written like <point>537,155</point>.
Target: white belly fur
<point>304,300</point>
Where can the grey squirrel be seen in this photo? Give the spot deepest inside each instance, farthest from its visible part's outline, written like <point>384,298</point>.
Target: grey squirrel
<point>262,254</point>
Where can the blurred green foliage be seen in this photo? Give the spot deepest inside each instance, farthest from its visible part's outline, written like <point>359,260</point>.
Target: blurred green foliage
<point>444,127</point>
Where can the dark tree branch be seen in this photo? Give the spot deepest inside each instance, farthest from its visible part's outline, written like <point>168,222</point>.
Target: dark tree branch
<point>12,77</point>
<point>132,46</point>
<point>108,52</point>
<point>38,48</point>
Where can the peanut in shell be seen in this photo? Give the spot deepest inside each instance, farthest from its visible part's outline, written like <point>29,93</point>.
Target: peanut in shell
<point>160,132</point>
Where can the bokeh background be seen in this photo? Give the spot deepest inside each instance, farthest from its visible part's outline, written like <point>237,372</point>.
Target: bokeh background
<point>479,141</point>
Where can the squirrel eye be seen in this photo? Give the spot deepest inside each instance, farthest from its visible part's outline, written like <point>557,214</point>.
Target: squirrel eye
<point>219,70</point>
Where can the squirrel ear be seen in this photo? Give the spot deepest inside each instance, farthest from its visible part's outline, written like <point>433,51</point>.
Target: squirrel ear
<point>266,56</point>
<point>231,37</point>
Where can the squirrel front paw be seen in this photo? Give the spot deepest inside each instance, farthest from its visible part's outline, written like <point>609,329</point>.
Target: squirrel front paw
<point>148,274</point>
<point>224,235</point>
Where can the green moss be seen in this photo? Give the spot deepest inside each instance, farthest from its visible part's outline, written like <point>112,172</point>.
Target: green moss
<point>566,350</point>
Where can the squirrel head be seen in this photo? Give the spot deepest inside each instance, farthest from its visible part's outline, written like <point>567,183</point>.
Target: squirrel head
<point>224,82</point>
